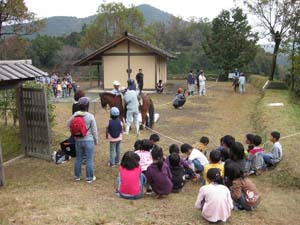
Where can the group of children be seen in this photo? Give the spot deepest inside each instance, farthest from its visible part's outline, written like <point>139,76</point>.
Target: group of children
<point>223,175</point>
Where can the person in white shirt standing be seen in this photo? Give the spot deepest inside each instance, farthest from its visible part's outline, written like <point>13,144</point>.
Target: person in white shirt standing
<point>202,79</point>
<point>242,83</point>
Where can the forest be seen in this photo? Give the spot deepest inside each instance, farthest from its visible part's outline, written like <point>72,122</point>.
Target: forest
<point>217,46</point>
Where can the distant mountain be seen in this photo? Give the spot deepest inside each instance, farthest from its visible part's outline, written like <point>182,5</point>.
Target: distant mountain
<point>63,25</point>
<point>152,14</point>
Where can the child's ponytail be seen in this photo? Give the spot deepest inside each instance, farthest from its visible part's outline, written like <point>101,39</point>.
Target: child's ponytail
<point>157,154</point>
<point>214,175</point>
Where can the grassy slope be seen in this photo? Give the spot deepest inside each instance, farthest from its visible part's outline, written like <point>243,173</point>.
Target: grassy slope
<point>286,121</point>
<point>39,192</point>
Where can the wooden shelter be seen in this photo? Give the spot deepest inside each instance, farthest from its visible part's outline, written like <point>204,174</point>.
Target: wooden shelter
<point>121,59</point>
<point>32,108</point>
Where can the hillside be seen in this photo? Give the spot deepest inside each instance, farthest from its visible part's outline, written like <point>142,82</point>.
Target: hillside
<point>61,25</point>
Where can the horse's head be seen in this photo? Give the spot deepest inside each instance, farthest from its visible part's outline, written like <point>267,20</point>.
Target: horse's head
<point>103,100</point>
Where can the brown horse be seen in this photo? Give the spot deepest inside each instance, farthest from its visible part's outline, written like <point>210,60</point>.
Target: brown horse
<point>112,100</point>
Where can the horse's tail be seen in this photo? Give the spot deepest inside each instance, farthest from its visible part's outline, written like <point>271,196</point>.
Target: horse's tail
<point>151,114</point>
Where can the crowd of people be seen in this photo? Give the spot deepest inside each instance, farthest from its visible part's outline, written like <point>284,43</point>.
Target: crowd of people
<point>62,87</point>
<point>223,172</point>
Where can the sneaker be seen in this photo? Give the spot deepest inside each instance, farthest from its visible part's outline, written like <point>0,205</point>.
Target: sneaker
<point>149,192</point>
<point>91,181</point>
<point>196,177</point>
<point>77,178</point>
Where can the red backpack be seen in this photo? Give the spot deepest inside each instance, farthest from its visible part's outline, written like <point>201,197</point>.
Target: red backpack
<point>77,127</point>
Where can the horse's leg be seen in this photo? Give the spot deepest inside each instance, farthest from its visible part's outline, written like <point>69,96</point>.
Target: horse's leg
<point>144,117</point>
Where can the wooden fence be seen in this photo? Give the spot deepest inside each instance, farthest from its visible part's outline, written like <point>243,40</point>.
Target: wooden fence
<point>34,123</point>
<point>2,180</point>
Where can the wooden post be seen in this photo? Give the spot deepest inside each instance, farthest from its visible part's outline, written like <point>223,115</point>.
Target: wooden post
<point>2,180</point>
<point>128,51</point>
<point>98,72</point>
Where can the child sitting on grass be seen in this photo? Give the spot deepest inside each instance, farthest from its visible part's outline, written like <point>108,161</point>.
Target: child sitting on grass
<point>249,141</point>
<point>226,142</point>
<point>131,179</point>
<point>275,156</point>
<point>189,170</point>
<point>214,199</point>
<point>114,135</point>
<point>195,157</point>
<point>255,161</point>
<point>214,162</point>
<point>237,154</point>
<point>178,177</point>
<point>154,138</point>
<point>142,149</point>
<point>159,175</point>
<point>204,141</point>
<point>243,190</point>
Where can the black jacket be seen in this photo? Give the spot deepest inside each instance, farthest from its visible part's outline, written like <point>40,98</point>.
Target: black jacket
<point>177,177</point>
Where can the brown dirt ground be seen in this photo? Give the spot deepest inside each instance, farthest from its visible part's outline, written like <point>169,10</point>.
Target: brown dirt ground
<point>40,192</point>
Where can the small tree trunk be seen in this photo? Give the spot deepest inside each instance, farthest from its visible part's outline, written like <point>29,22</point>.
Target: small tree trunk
<point>275,52</point>
<point>293,65</point>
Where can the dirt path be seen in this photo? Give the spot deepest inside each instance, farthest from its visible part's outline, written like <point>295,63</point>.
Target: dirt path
<point>39,192</point>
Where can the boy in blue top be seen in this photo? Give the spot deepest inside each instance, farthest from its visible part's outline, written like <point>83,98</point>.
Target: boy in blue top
<point>275,156</point>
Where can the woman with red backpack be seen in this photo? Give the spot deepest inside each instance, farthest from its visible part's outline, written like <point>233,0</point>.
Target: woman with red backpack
<point>83,128</point>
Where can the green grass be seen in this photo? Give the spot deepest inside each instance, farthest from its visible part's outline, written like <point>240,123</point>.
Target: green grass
<point>258,81</point>
<point>285,120</point>
<point>10,143</point>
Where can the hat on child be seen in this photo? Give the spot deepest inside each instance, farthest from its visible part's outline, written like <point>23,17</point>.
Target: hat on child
<point>114,111</point>
<point>179,90</point>
<point>83,101</point>
<point>116,83</point>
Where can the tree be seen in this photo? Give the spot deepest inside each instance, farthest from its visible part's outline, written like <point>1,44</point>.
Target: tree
<point>231,43</point>
<point>16,19</point>
<point>44,51</point>
<point>13,48</point>
<point>275,17</point>
<point>112,21</point>
<point>292,48</point>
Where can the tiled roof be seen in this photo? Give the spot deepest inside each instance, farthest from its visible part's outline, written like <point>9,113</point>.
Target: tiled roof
<point>127,36</point>
<point>13,70</point>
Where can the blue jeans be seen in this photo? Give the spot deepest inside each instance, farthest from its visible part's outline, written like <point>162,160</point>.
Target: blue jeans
<point>64,92</point>
<point>198,165</point>
<point>114,146</point>
<point>142,183</point>
<point>267,159</point>
<point>88,148</point>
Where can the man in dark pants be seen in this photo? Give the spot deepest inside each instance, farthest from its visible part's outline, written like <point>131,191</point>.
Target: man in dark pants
<point>140,80</point>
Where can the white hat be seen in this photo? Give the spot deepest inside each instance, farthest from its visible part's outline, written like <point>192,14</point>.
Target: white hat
<point>116,83</point>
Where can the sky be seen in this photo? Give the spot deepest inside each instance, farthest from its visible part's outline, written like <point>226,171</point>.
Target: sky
<point>84,8</point>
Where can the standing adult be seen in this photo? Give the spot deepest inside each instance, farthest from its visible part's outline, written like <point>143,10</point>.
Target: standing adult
<point>64,86</point>
<point>190,83</point>
<point>86,143</point>
<point>116,89</point>
<point>198,72</point>
<point>53,81</point>
<point>242,83</point>
<point>131,84</point>
<point>202,80</point>
<point>70,81</point>
<point>140,80</point>
<point>132,107</point>
<point>236,79</point>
